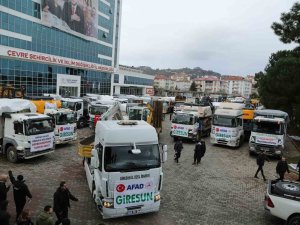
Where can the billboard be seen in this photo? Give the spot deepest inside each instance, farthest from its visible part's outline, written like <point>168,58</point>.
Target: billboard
<point>73,16</point>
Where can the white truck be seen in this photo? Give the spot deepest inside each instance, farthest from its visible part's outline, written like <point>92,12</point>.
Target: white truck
<point>124,172</point>
<point>227,125</point>
<point>283,200</point>
<point>96,109</point>
<point>79,106</point>
<point>24,134</point>
<point>193,122</point>
<point>268,132</point>
<point>65,124</point>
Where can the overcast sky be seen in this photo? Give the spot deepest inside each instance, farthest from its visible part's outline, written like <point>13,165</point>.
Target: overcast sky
<point>227,36</point>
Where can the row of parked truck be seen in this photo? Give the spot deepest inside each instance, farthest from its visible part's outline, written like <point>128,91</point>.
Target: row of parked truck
<point>232,123</point>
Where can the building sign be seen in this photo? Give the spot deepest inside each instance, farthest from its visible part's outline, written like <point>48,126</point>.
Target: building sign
<point>74,16</point>
<point>51,59</point>
<point>41,142</point>
<point>133,192</point>
<point>68,80</point>
<point>150,91</point>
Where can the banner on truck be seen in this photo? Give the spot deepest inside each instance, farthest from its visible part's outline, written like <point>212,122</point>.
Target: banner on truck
<point>133,192</point>
<point>66,131</point>
<point>180,130</point>
<point>78,17</point>
<point>41,142</point>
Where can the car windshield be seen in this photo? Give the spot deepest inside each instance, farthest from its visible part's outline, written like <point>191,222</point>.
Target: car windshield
<point>135,114</point>
<point>64,118</point>
<point>267,127</point>
<point>38,126</point>
<point>183,119</point>
<point>120,158</point>
<point>98,110</point>
<point>68,105</point>
<point>224,121</point>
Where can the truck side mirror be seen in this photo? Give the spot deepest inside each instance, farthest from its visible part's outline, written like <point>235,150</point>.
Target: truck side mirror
<point>94,159</point>
<point>164,153</point>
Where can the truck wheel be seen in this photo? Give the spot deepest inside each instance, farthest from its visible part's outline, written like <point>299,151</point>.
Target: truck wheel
<point>11,154</point>
<point>295,220</point>
<point>286,187</point>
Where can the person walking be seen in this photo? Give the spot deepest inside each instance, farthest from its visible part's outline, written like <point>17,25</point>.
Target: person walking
<point>21,191</point>
<point>178,148</point>
<point>3,188</point>
<point>281,168</point>
<point>62,198</point>
<point>199,152</point>
<point>298,167</point>
<point>260,161</point>
<point>171,111</point>
<point>24,218</point>
<point>45,217</point>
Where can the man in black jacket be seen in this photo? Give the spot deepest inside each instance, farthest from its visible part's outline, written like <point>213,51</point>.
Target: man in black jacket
<point>4,215</point>
<point>21,191</point>
<point>61,204</point>
<point>3,188</point>
<point>200,149</point>
<point>281,168</point>
<point>260,161</point>
<point>178,148</point>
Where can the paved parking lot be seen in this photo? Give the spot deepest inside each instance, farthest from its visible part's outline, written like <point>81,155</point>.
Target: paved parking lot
<point>221,190</point>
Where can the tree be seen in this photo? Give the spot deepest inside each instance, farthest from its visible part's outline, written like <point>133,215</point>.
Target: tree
<point>193,86</point>
<point>289,29</point>
<point>279,85</point>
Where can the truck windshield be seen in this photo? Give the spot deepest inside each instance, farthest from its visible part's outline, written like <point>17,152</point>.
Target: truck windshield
<point>224,121</point>
<point>38,126</point>
<point>135,114</point>
<point>68,105</point>
<point>121,159</point>
<point>98,110</point>
<point>183,119</point>
<point>267,127</point>
<point>64,118</point>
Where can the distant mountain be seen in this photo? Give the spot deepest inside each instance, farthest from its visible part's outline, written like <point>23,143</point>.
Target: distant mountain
<point>195,72</point>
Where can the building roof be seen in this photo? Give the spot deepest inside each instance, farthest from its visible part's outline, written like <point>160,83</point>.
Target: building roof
<point>232,78</point>
<point>161,77</point>
<point>207,78</point>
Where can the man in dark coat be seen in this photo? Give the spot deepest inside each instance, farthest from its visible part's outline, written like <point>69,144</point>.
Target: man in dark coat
<point>4,215</point>
<point>21,191</point>
<point>260,161</point>
<point>73,15</point>
<point>61,204</point>
<point>281,168</point>
<point>3,188</point>
<point>200,150</point>
<point>178,148</point>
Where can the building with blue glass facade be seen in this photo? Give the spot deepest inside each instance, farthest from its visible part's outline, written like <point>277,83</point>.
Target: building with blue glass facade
<point>67,47</point>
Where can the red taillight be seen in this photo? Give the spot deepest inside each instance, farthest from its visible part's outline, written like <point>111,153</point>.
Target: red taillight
<point>269,202</point>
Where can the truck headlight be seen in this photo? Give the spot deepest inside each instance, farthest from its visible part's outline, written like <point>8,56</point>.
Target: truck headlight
<point>108,204</point>
<point>157,198</point>
<point>277,152</point>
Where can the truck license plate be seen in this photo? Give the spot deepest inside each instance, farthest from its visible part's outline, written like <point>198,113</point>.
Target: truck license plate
<point>134,211</point>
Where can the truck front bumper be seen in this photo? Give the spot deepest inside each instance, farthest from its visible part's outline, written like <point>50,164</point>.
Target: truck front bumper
<point>59,141</point>
<point>267,150</point>
<point>26,154</point>
<point>231,143</point>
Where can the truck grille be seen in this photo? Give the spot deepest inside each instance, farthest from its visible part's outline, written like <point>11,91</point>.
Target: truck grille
<point>29,154</point>
<point>222,142</point>
<point>265,148</point>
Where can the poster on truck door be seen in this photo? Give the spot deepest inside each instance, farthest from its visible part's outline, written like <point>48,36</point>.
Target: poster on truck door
<point>41,142</point>
<point>133,192</point>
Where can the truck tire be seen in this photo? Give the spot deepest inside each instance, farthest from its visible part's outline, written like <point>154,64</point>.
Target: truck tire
<point>294,220</point>
<point>11,154</point>
<point>286,187</point>
<point>81,123</point>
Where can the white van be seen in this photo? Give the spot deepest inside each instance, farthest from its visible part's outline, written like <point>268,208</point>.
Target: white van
<point>125,171</point>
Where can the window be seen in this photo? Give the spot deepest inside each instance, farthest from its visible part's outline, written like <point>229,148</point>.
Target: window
<point>99,149</point>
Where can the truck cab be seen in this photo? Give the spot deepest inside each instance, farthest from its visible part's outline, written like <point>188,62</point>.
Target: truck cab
<point>268,132</point>
<point>139,113</point>
<point>124,172</point>
<point>227,125</point>
<point>193,122</point>
<point>96,109</point>
<point>78,106</point>
<point>26,135</point>
<point>65,125</point>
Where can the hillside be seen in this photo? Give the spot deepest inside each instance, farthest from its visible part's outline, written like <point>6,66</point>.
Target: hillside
<point>195,72</point>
